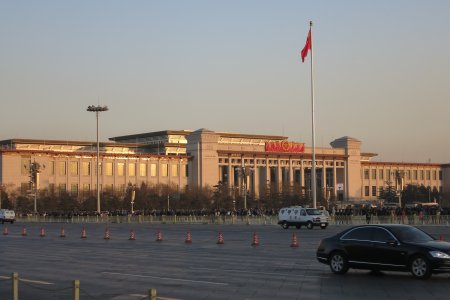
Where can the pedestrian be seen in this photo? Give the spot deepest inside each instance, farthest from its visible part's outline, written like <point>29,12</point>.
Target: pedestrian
<point>368,215</point>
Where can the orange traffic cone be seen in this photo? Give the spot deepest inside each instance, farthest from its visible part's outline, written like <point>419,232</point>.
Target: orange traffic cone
<point>159,236</point>
<point>132,236</point>
<point>441,237</point>
<point>255,241</point>
<point>220,240</point>
<point>42,232</point>
<point>62,233</point>
<point>106,237</point>
<point>24,231</point>
<point>188,237</point>
<point>5,231</point>
<point>83,233</point>
<point>294,243</point>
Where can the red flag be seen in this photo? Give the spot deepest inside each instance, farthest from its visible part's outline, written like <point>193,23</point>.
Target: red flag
<point>307,46</point>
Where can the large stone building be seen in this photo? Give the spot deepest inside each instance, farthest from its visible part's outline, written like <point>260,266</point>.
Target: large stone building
<point>206,158</point>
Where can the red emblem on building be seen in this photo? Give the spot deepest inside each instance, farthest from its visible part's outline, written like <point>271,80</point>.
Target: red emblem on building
<point>285,146</point>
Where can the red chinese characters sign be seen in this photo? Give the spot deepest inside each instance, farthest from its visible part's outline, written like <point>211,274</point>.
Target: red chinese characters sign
<point>285,146</point>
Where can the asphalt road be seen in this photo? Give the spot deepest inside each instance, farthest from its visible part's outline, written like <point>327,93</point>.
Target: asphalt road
<point>121,269</point>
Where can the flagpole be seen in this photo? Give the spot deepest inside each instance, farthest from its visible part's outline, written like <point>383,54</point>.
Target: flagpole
<point>313,175</point>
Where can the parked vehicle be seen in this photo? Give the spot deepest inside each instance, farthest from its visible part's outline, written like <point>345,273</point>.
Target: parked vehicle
<point>7,215</point>
<point>385,247</point>
<point>299,216</point>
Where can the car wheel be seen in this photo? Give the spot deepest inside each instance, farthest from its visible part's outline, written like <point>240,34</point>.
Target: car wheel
<point>298,226</point>
<point>323,226</point>
<point>420,267</point>
<point>309,225</point>
<point>285,225</point>
<point>338,263</point>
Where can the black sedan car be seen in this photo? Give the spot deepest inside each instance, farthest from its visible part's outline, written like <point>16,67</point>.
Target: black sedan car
<point>385,247</point>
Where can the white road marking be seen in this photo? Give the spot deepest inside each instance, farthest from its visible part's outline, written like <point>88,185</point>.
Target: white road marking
<point>262,273</point>
<point>28,280</point>
<point>165,278</point>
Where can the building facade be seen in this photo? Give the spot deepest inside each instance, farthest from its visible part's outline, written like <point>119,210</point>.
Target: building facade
<point>180,158</point>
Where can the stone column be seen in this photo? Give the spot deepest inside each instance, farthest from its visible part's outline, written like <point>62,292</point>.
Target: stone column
<point>334,179</point>
<point>291,173</point>
<point>255,179</point>
<point>279,175</point>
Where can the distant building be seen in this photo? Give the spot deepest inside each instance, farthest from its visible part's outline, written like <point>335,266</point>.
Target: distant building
<point>204,158</point>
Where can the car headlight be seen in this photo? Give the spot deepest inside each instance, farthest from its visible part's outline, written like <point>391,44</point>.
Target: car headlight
<point>439,254</point>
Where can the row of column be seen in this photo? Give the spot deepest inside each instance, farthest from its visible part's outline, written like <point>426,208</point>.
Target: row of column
<point>253,173</point>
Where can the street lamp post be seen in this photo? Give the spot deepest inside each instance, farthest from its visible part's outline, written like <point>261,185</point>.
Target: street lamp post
<point>97,110</point>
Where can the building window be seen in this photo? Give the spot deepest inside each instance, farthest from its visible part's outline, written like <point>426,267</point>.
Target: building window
<point>366,174</point>
<point>421,175</point>
<point>62,188</point>
<point>51,168</point>
<point>440,175</point>
<point>74,189</point>
<point>174,170</point>
<point>109,169</point>
<point>187,170</point>
<point>164,170</point>
<point>25,165</point>
<point>183,170</point>
<point>381,174</point>
<point>374,174</point>
<point>120,169</point>
<point>51,188</point>
<point>73,166</point>
<point>374,190</point>
<point>428,174</point>
<point>408,174</point>
<point>24,187</point>
<point>414,175</point>
<point>153,170</point>
<point>143,170</point>
<point>434,175</point>
<point>120,189</point>
<point>366,191</point>
<point>86,168</point>
<point>388,175</point>
<point>61,168</point>
<point>131,169</point>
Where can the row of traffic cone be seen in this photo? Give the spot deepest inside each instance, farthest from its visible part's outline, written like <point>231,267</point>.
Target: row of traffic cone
<point>188,240</point>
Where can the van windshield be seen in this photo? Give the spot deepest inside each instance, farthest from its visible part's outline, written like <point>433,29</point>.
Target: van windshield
<point>314,212</point>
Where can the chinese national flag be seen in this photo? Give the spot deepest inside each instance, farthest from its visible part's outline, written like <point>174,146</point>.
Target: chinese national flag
<point>307,47</point>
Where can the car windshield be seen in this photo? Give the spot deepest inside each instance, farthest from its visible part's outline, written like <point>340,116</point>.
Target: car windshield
<point>410,234</point>
<point>314,212</point>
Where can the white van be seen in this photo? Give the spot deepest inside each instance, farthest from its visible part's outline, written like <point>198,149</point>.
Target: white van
<point>298,216</point>
<point>7,215</point>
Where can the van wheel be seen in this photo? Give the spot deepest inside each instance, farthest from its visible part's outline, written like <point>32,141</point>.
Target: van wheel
<point>285,225</point>
<point>309,225</point>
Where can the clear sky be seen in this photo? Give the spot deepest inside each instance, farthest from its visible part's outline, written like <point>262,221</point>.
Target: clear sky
<point>382,70</point>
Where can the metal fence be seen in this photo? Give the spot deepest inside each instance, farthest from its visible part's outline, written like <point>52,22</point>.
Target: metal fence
<point>72,291</point>
<point>240,220</point>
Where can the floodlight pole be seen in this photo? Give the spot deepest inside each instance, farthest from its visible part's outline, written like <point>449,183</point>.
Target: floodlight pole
<point>97,110</point>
